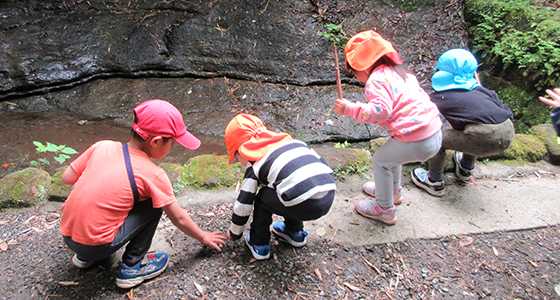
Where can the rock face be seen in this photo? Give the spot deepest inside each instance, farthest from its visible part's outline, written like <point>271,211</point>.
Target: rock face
<point>24,188</point>
<point>526,147</point>
<point>58,190</point>
<point>229,56</point>
<point>548,135</point>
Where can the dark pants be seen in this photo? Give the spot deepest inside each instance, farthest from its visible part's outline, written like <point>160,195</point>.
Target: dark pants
<point>475,141</point>
<point>138,230</point>
<point>267,204</point>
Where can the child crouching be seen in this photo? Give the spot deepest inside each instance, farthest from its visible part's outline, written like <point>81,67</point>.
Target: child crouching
<point>283,177</point>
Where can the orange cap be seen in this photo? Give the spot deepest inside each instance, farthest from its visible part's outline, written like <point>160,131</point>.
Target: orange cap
<point>366,47</point>
<point>247,135</point>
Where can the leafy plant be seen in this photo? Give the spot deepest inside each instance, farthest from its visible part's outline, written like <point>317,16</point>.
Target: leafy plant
<point>521,40</point>
<point>334,34</point>
<point>342,145</point>
<point>60,153</point>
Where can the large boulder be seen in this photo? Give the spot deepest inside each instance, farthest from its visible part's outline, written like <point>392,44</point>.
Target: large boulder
<point>59,190</point>
<point>53,44</point>
<point>24,188</point>
<point>526,147</point>
<point>548,135</point>
<point>210,171</point>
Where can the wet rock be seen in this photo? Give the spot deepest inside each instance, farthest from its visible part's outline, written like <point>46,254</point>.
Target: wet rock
<point>24,188</point>
<point>345,161</point>
<point>526,147</point>
<point>210,171</point>
<point>58,190</point>
<point>55,44</point>
<point>547,134</point>
<point>208,105</point>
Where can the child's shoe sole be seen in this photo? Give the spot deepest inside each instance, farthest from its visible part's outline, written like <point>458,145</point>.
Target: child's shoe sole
<point>132,282</point>
<point>286,239</point>
<point>255,254</point>
<point>418,183</point>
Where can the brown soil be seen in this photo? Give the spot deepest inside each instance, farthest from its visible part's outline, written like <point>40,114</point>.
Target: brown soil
<point>504,265</point>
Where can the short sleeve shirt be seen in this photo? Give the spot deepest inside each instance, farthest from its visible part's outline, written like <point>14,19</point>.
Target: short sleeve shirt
<point>101,198</point>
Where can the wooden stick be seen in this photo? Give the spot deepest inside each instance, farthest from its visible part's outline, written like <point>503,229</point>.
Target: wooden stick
<point>338,83</point>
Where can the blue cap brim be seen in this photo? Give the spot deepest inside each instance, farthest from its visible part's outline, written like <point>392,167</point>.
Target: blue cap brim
<point>443,81</point>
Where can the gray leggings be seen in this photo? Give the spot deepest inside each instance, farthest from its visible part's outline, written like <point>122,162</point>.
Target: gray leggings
<point>388,161</point>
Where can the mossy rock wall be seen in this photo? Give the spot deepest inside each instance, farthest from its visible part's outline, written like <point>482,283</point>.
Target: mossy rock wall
<point>345,161</point>
<point>210,171</point>
<point>58,190</point>
<point>526,147</point>
<point>24,188</point>
<point>548,135</point>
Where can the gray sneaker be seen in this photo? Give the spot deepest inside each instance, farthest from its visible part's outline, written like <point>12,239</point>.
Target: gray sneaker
<point>462,174</point>
<point>421,179</point>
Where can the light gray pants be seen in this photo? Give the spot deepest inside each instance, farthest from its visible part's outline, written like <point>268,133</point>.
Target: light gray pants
<point>388,161</point>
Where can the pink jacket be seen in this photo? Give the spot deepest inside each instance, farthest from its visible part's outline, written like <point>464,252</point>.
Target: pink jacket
<point>401,106</point>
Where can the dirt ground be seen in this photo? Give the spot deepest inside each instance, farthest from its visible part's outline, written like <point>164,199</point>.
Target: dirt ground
<point>503,265</point>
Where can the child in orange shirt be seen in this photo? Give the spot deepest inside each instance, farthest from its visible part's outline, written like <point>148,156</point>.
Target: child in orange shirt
<point>119,195</point>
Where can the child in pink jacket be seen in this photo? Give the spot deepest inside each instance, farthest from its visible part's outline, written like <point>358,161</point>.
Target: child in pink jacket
<point>395,101</point>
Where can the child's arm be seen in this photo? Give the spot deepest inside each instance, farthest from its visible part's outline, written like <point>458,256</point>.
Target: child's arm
<point>243,206</point>
<point>375,110</point>
<point>180,218</point>
<point>69,177</point>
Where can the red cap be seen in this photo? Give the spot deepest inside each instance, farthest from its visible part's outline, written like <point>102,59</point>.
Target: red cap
<point>159,117</point>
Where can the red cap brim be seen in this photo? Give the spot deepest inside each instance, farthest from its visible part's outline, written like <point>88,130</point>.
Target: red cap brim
<point>188,141</point>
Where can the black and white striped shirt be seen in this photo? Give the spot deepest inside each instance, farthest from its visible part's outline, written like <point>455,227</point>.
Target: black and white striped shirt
<point>295,171</point>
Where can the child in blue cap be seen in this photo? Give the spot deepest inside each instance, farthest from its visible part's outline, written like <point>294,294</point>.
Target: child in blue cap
<point>478,122</point>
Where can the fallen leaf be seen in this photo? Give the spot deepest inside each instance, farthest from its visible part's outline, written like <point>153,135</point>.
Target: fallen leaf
<point>200,288</point>
<point>68,283</point>
<point>5,166</point>
<point>130,294</point>
<point>465,241</point>
<point>3,246</point>
<point>318,273</point>
<point>495,251</point>
<point>352,287</point>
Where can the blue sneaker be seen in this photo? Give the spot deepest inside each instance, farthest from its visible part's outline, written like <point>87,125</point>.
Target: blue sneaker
<point>153,264</point>
<point>296,239</point>
<point>260,252</point>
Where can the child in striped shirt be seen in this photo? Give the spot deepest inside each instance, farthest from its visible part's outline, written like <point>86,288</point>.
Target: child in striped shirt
<point>283,176</point>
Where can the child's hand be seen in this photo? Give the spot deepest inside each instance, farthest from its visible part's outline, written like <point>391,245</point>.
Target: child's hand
<point>214,240</point>
<point>340,106</point>
<point>554,100</point>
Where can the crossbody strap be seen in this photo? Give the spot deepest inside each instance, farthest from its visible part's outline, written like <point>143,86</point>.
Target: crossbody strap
<point>130,173</point>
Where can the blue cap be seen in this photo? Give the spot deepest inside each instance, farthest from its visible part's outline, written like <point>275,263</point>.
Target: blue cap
<point>456,69</point>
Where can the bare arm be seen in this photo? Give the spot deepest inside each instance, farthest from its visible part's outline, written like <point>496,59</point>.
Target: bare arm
<point>69,176</point>
<point>180,218</point>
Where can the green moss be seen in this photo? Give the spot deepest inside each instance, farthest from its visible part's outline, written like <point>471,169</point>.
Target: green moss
<point>174,172</point>
<point>548,135</point>
<point>210,171</point>
<point>526,147</point>
<point>58,190</point>
<point>24,188</point>
<point>358,164</point>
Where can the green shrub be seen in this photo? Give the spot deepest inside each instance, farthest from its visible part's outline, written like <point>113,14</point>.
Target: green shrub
<point>526,110</point>
<point>518,38</point>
